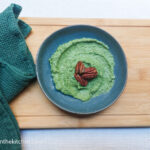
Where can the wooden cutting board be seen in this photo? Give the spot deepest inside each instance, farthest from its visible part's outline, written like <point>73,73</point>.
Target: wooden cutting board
<point>33,110</point>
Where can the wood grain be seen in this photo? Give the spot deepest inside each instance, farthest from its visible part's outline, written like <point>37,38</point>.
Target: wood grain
<point>33,110</point>
<point>97,22</point>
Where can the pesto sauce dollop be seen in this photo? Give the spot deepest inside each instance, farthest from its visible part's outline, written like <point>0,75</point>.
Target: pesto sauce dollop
<point>92,53</point>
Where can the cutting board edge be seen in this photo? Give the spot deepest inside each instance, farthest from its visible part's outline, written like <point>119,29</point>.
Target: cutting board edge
<point>91,21</point>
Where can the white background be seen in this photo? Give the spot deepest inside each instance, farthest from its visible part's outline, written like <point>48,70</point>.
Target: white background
<point>83,8</point>
<point>85,139</point>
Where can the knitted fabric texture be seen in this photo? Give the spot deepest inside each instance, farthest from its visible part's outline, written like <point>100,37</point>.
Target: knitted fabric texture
<point>17,69</point>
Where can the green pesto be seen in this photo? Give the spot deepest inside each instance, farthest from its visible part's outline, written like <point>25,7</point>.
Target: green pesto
<point>92,53</point>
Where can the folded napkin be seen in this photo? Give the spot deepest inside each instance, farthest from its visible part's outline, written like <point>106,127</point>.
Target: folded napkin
<point>17,69</point>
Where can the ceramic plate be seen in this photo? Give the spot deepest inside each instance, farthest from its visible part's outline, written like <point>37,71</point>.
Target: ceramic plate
<point>69,103</point>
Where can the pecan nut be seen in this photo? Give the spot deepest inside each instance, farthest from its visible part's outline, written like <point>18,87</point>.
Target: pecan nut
<point>88,76</point>
<point>79,68</point>
<point>83,75</point>
<point>80,80</point>
<point>90,70</point>
<point>89,73</point>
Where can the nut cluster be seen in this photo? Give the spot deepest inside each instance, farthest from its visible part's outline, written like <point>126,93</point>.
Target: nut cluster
<point>83,74</point>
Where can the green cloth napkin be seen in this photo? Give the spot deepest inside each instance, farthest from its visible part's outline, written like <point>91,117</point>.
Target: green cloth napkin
<point>17,69</point>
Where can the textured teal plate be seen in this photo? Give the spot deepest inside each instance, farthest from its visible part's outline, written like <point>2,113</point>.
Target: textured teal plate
<point>69,103</point>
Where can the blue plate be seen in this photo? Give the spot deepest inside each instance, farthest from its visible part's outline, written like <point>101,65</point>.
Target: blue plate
<point>69,103</point>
